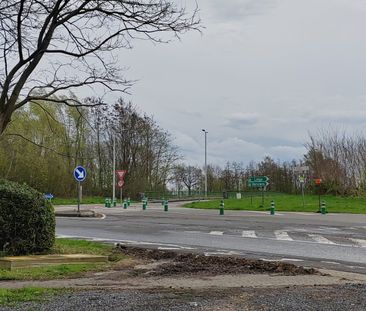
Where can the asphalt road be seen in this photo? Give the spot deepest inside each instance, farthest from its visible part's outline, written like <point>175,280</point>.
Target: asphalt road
<point>333,241</point>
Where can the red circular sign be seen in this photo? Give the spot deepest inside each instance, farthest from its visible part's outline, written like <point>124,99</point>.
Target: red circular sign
<point>318,181</point>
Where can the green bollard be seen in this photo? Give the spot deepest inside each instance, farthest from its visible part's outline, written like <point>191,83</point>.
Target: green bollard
<point>162,201</point>
<point>323,208</point>
<point>124,204</point>
<point>106,202</point>
<point>128,202</point>
<point>114,203</point>
<point>144,204</point>
<point>166,206</point>
<point>273,208</point>
<point>222,207</point>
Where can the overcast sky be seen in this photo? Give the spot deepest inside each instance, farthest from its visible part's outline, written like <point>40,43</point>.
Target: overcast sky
<point>260,76</point>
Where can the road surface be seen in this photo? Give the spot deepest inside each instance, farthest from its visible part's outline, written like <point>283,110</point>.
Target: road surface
<point>333,241</point>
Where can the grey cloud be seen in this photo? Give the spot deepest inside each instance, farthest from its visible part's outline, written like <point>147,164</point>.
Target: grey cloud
<point>242,120</point>
<point>236,10</point>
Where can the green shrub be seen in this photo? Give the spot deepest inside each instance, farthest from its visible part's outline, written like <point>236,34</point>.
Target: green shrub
<point>27,221</point>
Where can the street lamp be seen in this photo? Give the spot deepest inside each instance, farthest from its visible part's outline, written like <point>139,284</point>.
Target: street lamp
<point>114,168</point>
<point>203,130</point>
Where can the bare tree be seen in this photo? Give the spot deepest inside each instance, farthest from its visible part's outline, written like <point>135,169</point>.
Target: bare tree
<point>49,48</point>
<point>190,176</point>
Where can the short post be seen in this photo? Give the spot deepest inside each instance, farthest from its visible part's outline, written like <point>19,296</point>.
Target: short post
<point>323,208</point>
<point>166,205</point>
<point>273,208</point>
<point>144,204</point>
<point>125,204</point>
<point>162,201</point>
<point>222,207</point>
<point>128,202</point>
<point>114,202</point>
<point>106,202</point>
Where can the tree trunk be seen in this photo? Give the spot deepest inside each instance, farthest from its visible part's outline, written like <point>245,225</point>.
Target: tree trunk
<point>4,121</point>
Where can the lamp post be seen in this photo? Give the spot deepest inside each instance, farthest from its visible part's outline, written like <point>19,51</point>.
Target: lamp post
<point>114,169</point>
<point>203,130</point>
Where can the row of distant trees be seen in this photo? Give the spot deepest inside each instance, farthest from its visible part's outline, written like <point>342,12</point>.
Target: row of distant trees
<point>45,142</point>
<point>234,176</point>
<point>333,156</point>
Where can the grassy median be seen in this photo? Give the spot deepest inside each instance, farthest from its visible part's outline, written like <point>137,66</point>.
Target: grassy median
<point>74,201</point>
<point>289,203</point>
<point>67,246</point>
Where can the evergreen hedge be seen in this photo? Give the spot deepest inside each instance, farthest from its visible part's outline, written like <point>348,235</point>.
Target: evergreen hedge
<point>27,220</point>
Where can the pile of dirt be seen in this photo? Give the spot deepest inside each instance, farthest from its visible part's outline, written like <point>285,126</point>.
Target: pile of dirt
<point>189,263</point>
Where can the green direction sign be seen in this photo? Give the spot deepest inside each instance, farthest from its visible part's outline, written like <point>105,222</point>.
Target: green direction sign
<point>258,181</point>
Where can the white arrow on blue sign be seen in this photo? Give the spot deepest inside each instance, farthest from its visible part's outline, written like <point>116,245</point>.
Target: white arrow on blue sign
<point>80,173</point>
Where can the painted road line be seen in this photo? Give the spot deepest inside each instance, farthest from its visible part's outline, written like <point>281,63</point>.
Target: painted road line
<point>217,233</point>
<point>282,235</point>
<point>320,239</point>
<point>249,234</point>
<point>359,242</point>
<point>291,259</point>
<point>331,262</point>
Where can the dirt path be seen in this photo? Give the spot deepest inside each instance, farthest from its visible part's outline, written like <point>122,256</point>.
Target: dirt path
<point>154,280</point>
<point>151,268</point>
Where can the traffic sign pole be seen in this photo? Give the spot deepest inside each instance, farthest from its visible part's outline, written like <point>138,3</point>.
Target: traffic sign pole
<point>121,198</point>
<point>79,194</point>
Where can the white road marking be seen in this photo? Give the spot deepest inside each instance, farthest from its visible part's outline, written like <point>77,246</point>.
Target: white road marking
<point>168,248</point>
<point>331,262</point>
<point>320,239</point>
<point>282,235</point>
<point>249,234</point>
<point>291,259</point>
<point>217,233</point>
<point>360,242</point>
<point>226,253</point>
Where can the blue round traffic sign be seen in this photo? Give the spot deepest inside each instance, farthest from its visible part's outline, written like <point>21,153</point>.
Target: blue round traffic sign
<point>80,173</point>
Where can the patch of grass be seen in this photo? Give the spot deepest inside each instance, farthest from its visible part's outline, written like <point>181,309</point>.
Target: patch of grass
<point>289,203</point>
<point>67,246</point>
<point>51,272</point>
<point>86,200</point>
<point>11,297</point>
<point>74,201</point>
<point>70,246</point>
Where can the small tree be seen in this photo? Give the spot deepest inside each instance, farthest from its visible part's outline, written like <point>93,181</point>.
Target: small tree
<point>51,46</point>
<point>190,176</point>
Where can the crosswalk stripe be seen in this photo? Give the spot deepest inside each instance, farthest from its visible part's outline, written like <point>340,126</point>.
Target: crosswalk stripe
<point>217,232</point>
<point>321,239</point>
<point>282,235</point>
<point>249,234</point>
<point>360,242</point>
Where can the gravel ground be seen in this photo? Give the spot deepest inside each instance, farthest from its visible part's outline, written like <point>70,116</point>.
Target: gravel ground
<point>325,298</point>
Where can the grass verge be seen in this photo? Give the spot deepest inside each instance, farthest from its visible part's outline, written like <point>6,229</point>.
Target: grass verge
<point>74,201</point>
<point>11,297</point>
<point>86,200</point>
<point>67,246</point>
<point>289,203</point>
